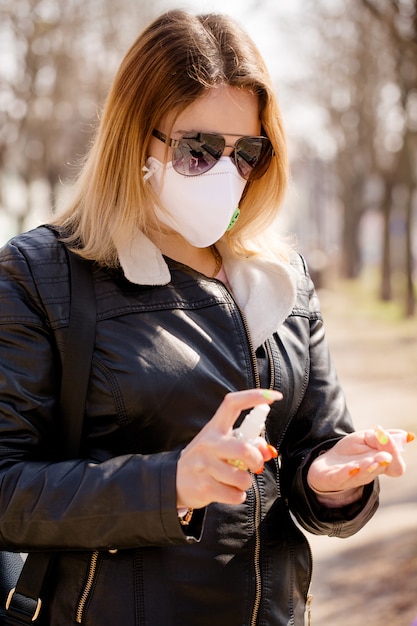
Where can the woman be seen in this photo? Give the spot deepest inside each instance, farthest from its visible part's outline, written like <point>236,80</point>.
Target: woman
<point>168,518</point>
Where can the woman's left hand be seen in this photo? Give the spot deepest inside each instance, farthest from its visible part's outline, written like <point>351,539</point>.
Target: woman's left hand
<point>358,459</point>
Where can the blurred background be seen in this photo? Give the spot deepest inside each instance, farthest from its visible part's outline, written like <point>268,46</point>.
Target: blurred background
<point>345,73</point>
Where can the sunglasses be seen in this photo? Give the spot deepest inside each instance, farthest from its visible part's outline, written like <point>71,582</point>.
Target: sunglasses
<point>195,153</point>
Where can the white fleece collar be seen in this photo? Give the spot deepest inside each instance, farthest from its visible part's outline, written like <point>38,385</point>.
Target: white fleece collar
<point>265,290</point>
<point>143,263</point>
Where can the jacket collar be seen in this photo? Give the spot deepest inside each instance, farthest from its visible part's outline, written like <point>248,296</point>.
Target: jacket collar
<point>265,290</point>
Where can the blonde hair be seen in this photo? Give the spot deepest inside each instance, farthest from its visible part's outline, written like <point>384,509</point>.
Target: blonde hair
<point>171,64</point>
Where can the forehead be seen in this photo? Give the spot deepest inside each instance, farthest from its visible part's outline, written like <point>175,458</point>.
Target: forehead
<point>222,109</point>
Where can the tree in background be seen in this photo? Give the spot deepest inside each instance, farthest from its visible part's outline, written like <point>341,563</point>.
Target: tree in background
<point>364,76</point>
<point>398,20</point>
<point>56,60</point>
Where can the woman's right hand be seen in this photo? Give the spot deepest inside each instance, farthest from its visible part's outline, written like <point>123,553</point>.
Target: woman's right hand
<point>204,474</point>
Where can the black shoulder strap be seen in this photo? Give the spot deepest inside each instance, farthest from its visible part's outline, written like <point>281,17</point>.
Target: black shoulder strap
<point>24,603</point>
<point>78,354</point>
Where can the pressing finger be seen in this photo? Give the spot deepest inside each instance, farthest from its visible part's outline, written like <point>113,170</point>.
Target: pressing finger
<point>236,402</point>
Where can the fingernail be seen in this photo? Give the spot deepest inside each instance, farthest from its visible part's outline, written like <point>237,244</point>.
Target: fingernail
<point>381,435</point>
<point>259,471</point>
<point>271,394</point>
<point>372,468</point>
<point>355,470</point>
<point>410,437</point>
<point>273,451</point>
<point>384,463</point>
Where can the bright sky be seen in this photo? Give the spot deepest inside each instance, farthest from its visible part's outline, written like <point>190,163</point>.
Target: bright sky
<point>261,19</point>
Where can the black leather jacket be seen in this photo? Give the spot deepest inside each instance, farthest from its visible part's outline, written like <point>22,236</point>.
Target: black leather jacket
<point>164,359</point>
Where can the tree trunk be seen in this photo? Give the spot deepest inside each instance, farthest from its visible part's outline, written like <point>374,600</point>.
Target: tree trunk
<point>386,286</point>
<point>410,302</point>
<point>352,258</point>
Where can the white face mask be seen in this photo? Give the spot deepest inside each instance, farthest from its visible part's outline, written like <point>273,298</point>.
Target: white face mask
<point>200,208</point>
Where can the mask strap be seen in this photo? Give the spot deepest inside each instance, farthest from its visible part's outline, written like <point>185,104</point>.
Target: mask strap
<point>149,171</point>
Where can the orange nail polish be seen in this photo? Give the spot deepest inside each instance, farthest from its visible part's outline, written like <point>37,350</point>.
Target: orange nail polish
<point>384,463</point>
<point>354,470</point>
<point>260,470</point>
<point>273,451</point>
<point>410,437</point>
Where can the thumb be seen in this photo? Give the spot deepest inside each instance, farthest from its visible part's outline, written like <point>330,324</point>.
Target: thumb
<point>236,402</point>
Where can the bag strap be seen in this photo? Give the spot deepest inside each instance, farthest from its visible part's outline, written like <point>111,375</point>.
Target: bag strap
<point>76,365</point>
<point>24,602</point>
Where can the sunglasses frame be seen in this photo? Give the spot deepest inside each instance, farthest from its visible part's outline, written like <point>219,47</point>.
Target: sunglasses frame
<point>263,163</point>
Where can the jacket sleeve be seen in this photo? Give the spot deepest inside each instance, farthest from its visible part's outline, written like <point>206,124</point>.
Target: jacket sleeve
<point>321,419</point>
<point>47,503</point>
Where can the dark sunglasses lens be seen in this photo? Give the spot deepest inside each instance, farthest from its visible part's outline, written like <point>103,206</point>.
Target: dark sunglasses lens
<point>197,153</point>
<point>253,156</point>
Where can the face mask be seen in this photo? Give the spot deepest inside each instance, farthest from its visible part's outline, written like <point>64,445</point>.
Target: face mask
<point>200,208</point>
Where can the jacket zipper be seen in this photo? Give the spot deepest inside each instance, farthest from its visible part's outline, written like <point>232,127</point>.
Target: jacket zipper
<point>252,350</point>
<point>256,555</point>
<point>310,596</point>
<point>87,587</point>
<point>309,601</point>
<point>257,513</point>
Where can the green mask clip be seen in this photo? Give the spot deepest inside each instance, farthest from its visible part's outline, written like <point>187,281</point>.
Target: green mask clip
<point>234,219</point>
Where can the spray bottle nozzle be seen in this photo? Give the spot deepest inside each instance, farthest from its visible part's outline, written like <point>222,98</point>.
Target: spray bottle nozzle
<point>253,424</point>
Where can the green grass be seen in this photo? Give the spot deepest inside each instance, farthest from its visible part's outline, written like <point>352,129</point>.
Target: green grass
<point>363,296</point>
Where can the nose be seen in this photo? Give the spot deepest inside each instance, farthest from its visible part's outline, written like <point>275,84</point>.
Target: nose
<point>228,150</point>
